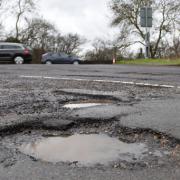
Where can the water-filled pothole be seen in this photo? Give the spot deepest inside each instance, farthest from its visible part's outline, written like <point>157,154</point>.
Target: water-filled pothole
<point>87,150</point>
<point>87,103</point>
<point>81,105</point>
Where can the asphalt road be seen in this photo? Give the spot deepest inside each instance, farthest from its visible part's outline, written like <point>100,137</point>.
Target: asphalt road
<point>147,74</point>
<point>144,106</point>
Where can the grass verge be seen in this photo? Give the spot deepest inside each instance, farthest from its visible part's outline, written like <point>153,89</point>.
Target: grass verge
<point>167,62</point>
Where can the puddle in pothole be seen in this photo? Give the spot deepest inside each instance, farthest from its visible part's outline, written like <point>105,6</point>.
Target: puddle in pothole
<point>82,105</point>
<point>87,150</point>
<point>87,103</point>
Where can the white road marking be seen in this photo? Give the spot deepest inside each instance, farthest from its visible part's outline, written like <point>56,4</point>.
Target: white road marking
<point>167,86</point>
<point>99,80</point>
<point>132,83</point>
<point>36,77</point>
<point>141,84</point>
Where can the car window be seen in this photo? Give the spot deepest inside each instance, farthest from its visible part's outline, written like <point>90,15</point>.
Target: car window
<point>63,55</point>
<point>55,55</point>
<point>6,47</point>
<point>11,47</point>
<point>16,47</point>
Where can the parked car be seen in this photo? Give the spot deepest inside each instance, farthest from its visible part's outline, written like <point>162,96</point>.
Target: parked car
<point>15,52</point>
<point>59,58</point>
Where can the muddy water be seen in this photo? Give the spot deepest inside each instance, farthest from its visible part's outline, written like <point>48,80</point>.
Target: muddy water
<point>87,150</point>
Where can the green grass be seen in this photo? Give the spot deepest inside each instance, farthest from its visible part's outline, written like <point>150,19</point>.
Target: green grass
<point>151,61</point>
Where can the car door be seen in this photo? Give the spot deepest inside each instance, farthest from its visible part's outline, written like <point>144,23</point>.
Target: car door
<point>55,58</point>
<point>4,53</point>
<point>1,53</point>
<point>65,59</point>
<point>61,58</point>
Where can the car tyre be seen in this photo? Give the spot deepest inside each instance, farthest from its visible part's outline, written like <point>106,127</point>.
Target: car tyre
<point>18,60</point>
<point>76,62</point>
<point>48,62</point>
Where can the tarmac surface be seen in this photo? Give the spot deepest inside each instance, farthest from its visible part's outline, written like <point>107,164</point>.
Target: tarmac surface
<point>140,104</point>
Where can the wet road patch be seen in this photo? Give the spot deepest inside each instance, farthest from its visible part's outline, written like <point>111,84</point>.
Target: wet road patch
<point>86,150</point>
<point>100,113</point>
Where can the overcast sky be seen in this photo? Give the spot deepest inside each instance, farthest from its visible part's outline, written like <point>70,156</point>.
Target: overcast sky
<point>89,18</point>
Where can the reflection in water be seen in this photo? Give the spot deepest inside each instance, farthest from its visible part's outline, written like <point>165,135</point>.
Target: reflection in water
<point>86,149</point>
<point>82,105</point>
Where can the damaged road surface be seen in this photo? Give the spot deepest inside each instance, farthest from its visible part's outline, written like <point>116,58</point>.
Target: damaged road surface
<point>62,128</point>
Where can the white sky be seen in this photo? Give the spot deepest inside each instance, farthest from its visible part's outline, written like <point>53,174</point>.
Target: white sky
<point>88,18</point>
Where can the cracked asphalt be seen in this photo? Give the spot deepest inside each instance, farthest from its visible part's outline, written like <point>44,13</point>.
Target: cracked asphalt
<point>32,108</point>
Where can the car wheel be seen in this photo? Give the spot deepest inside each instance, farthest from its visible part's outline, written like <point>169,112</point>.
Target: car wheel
<point>76,62</point>
<point>18,60</point>
<point>48,62</point>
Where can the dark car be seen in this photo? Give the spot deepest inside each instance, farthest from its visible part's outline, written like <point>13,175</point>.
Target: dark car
<point>15,52</point>
<point>59,58</point>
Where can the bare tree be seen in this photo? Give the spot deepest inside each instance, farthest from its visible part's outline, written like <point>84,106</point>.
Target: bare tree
<point>1,2</point>
<point>69,43</point>
<point>172,49</point>
<point>121,42</point>
<point>1,27</point>
<point>43,36</point>
<point>21,8</point>
<point>126,13</point>
<point>39,33</point>
<point>176,46</point>
<point>104,51</point>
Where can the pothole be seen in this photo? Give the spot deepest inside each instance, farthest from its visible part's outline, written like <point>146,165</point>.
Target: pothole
<point>86,150</point>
